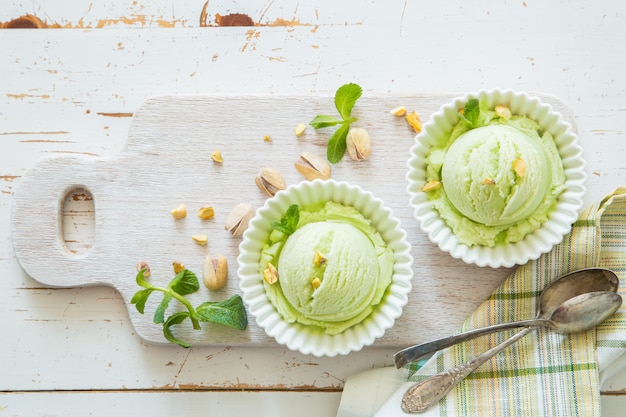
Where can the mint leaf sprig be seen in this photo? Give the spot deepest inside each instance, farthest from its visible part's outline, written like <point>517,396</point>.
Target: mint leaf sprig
<point>230,312</point>
<point>471,113</point>
<point>289,222</point>
<point>346,97</point>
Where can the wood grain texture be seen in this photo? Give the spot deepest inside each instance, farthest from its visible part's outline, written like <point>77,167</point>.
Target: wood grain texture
<point>166,162</point>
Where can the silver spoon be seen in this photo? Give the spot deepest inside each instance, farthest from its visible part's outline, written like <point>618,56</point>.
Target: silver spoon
<point>566,287</point>
<point>582,312</point>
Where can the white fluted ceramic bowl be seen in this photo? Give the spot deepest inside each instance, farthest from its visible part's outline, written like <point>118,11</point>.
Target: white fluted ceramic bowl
<point>312,339</point>
<point>534,244</point>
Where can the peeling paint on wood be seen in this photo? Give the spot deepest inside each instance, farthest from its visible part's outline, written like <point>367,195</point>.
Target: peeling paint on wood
<point>115,114</point>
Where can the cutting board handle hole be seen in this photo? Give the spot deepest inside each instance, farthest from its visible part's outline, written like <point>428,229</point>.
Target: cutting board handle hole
<point>78,221</point>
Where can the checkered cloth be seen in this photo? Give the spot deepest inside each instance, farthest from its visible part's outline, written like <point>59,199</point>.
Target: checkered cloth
<point>544,373</point>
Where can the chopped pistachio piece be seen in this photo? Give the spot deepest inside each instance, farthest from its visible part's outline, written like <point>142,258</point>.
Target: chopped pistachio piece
<point>270,274</point>
<point>431,186</point>
<point>413,119</point>
<point>179,212</point>
<point>519,166</point>
<point>217,157</point>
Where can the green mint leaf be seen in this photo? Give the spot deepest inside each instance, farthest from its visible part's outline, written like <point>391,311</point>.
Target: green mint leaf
<point>230,312</point>
<point>185,282</point>
<point>293,216</point>
<point>289,222</point>
<point>140,298</point>
<point>324,121</point>
<point>159,313</point>
<point>336,147</point>
<point>172,320</point>
<point>141,280</point>
<point>471,113</point>
<point>345,98</point>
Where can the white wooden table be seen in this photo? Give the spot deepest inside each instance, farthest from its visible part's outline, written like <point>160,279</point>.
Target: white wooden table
<point>73,90</point>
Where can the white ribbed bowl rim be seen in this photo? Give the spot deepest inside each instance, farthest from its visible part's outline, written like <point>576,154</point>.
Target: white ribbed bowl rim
<point>559,221</point>
<point>308,339</point>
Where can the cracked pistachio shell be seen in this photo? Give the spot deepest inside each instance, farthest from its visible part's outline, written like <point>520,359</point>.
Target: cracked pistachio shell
<point>270,181</point>
<point>313,167</point>
<point>237,220</point>
<point>358,144</point>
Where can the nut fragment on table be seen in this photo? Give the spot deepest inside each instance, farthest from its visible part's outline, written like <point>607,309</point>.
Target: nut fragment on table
<point>313,167</point>
<point>215,272</point>
<point>179,212</point>
<point>206,212</point>
<point>270,181</point>
<point>413,119</point>
<point>238,219</point>
<point>299,129</point>
<point>217,157</point>
<point>178,267</point>
<point>399,111</point>
<point>143,266</point>
<point>358,144</point>
<point>200,239</point>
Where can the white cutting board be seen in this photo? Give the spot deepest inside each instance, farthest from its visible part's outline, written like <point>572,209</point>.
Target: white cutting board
<point>167,162</point>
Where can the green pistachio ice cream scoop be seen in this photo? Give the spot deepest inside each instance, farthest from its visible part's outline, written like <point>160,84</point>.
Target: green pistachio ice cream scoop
<point>496,175</point>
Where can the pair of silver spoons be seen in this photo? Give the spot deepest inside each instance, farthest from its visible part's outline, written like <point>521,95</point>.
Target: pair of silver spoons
<point>577,301</point>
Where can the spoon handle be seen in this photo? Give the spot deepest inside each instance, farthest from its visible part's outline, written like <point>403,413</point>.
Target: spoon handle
<point>429,391</point>
<point>415,352</point>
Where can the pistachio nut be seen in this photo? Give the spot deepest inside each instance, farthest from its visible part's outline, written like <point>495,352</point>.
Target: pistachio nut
<point>299,129</point>
<point>270,274</point>
<point>206,212</point>
<point>179,212</point>
<point>217,157</point>
<point>398,111</point>
<point>215,272</point>
<point>503,111</point>
<point>413,119</point>
<point>313,167</point>
<point>200,239</point>
<point>431,186</point>
<point>178,267</point>
<point>358,144</point>
<point>519,166</point>
<point>143,266</point>
<point>270,181</point>
<point>318,258</point>
<point>237,220</point>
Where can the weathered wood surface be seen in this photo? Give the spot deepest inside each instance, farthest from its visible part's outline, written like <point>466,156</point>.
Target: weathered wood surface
<point>73,92</point>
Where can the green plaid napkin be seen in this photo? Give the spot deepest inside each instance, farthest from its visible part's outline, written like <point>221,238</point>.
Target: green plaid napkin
<point>543,374</point>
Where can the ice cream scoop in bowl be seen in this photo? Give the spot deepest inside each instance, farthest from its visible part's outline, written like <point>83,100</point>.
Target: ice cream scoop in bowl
<point>325,268</point>
<point>496,178</point>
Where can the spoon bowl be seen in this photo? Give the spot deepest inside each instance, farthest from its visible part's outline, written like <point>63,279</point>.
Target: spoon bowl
<point>575,283</point>
<point>585,311</point>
